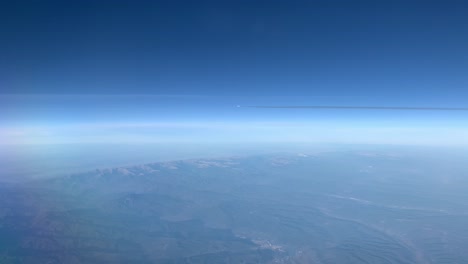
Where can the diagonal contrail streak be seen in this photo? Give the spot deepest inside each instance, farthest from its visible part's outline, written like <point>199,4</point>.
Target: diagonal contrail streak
<point>362,107</point>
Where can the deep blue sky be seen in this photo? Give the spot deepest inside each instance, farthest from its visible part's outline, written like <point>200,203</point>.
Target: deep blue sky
<point>413,48</point>
<point>209,56</point>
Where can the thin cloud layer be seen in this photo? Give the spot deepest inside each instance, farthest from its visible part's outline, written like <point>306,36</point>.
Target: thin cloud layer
<point>232,132</point>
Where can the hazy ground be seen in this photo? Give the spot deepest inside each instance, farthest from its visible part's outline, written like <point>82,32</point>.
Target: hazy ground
<point>361,205</point>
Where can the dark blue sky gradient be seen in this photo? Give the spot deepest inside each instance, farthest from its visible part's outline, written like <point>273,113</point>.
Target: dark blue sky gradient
<point>294,48</point>
<point>88,71</point>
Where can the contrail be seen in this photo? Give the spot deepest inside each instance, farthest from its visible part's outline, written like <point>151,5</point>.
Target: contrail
<point>361,107</point>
